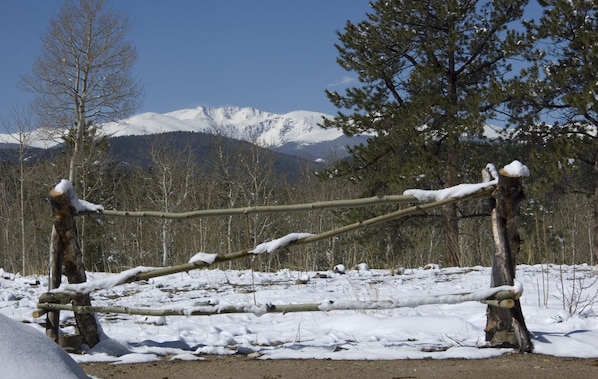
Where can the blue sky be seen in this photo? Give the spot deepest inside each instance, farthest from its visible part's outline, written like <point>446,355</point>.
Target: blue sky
<point>273,55</point>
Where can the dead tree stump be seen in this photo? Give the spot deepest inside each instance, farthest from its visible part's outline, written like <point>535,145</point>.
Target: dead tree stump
<point>65,252</point>
<point>506,327</point>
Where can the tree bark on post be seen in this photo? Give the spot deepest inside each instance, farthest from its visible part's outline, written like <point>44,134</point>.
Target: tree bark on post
<point>501,323</point>
<point>56,255</point>
<point>65,251</point>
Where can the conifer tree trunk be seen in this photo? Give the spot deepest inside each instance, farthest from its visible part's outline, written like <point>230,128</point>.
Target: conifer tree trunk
<point>449,212</point>
<point>451,235</point>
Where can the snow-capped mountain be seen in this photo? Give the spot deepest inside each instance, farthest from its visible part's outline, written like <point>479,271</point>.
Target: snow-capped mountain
<point>295,133</point>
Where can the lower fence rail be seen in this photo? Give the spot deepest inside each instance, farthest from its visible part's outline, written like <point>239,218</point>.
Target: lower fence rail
<point>503,297</point>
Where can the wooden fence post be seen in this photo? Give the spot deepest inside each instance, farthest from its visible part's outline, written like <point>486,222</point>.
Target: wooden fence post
<point>65,251</point>
<point>502,323</point>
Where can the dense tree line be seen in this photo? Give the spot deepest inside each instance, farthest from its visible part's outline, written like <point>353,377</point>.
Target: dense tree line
<point>556,226</point>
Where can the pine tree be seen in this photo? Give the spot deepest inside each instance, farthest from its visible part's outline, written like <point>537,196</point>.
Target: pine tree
<point>562,93</point>
<point>431,73</point>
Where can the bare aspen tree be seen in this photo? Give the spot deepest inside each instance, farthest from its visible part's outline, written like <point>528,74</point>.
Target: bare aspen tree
<point>20,126</point>
<point>83,74</point>
<point>170,183</point>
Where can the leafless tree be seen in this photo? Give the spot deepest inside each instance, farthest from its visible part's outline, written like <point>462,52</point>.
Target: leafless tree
<point>170,183</point>
<point>19,127</point>
<point>83,74</point>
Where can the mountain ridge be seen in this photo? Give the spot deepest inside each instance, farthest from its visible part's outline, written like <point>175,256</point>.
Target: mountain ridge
<point>297,132</point>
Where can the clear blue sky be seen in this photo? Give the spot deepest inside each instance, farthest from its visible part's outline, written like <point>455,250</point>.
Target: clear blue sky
<point>274,55</point>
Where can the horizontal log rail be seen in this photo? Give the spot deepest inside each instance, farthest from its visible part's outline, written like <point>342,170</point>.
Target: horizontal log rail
<point>503,296</point>
<point>320,205</point>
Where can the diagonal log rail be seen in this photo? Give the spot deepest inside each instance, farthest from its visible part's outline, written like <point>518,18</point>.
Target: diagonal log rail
<point>420,208</point>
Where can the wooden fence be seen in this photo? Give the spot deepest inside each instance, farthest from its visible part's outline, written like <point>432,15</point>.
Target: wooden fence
<point>504,310</point>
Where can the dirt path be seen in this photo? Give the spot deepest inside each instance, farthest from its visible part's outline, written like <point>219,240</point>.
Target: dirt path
<point>513,366</point>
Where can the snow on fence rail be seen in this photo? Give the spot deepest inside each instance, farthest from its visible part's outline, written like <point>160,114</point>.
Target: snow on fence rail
<point>65,250</point>
<point>503,296</point>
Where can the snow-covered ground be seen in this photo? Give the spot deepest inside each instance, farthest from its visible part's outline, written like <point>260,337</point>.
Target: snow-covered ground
<point>559,304</point>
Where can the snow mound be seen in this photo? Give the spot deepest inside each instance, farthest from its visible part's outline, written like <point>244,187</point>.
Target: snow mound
<point>27,353</point>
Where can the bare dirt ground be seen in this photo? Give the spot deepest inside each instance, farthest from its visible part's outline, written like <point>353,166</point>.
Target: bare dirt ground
<point>513,366</point>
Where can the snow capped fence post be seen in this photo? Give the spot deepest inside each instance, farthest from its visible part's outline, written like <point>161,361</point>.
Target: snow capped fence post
<point>501,322</point>
<point>65,252</point>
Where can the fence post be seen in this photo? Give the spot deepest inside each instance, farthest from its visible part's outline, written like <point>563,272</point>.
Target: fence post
<point>503,324</point>
<point>65,252</point>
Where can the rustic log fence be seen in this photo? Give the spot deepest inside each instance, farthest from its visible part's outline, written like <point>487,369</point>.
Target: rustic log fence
<point>505,318</point>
